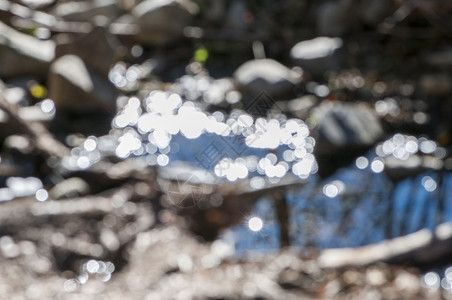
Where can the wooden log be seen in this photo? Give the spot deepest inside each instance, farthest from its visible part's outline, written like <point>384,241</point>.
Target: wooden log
<point>423,248</point>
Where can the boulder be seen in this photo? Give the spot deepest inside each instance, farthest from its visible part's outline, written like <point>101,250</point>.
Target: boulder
<point>98,49</point>
<point>75,88</point>
<point>342,126</point>
<point>162,21</point>
<point>343,132</point>
<point>87,11</point>
<point>22,54</point>
<point>266,75</point>
<point>318,55</point>
<point>37,4</point>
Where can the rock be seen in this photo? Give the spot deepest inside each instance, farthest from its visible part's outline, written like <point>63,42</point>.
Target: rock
<point>343,131</point>
<point>318,55</point>
<point>301,106</point>
<point>88,11</point>
<point>438,85</point>
<point>162,21</point>
<point>75,88</point>
<point>98,49</point>
<point>37,4</point>
<point>266,75</point>
<point>21,54</point>
<point>343,126</point>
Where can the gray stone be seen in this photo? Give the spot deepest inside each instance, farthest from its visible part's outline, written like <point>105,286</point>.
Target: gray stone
<point>75,88</point>
<point>342,127</point>
<point>301,106</point>
<point>343,132</point>
<point>21,54</point>
<point>259,75</point>
<point>318,55</point>
<point>37,4</point>
<point>98,49</point>
<point>162,21</point>
<point>88,11</point>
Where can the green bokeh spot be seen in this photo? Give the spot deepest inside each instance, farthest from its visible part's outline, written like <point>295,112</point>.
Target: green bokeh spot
<point>201,55</point>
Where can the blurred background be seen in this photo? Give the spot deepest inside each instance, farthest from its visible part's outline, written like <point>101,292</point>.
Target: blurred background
<point>225,149</point>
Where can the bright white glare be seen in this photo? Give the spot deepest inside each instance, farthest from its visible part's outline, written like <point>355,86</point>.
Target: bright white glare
<point>192,122</point>
<point>132,73</point>
<point>6,194</point>
<point>127,143</point>
<point>333,189</point>
<point>411,146</point>
<point>129,115</point>
<point>233,97</point>
<point>288,155</point>
<point>429,183</point>
<point>162,160</point>
<point>163,102</point>
<point>398,139</point>
<point>22,187</point>
<point>41,195</point>
<point>304,167</point>
<point>83,277</point>
<point>448,274</point>
<point>90,144</point>
<point>47,106</point>
<point>362,162</point>
<point>432,279</point>
<point>232,170</point>
<point>92,266</point>
<point>136,51</point>
<point>71,285</point>
<point>245,120</point>
<point>321,90</point>
<point>377,166</point>
<point>255,224</point>
<point>264,136</point>
<point>83,162</point>
<point>427,146</point>
<point>257,182</point>
<point>330,190</point>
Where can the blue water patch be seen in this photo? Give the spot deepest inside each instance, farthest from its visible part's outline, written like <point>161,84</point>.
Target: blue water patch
<point>371,209</point>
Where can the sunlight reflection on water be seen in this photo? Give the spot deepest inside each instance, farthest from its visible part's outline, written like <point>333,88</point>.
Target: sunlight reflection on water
<point>152,127</point>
